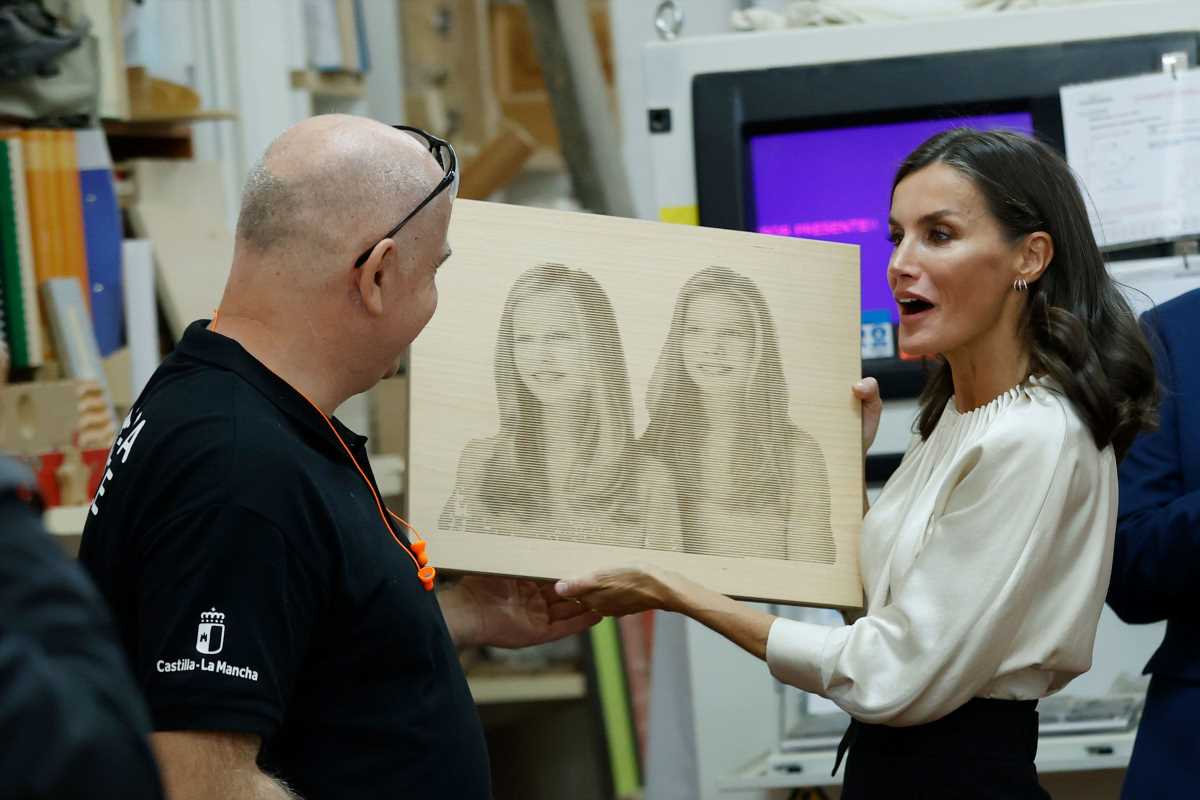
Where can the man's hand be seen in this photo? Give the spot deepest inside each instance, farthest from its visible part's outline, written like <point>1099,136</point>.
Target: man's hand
<point>508,612</point>
<point>630,590</point>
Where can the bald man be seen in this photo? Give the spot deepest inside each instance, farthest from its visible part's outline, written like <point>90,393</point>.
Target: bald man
<point>272,611</point>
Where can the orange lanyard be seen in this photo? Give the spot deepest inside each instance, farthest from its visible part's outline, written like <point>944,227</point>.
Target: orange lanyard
<point>425,571</point>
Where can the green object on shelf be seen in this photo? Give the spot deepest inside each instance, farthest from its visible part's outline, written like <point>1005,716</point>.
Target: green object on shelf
<point>14,314</point>
<point>615,707</point>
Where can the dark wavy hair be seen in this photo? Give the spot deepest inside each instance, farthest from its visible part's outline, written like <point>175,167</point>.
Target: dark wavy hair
<point>1078,328</point>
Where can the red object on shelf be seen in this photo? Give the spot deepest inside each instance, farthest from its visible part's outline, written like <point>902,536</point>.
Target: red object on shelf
<point>46,464</point>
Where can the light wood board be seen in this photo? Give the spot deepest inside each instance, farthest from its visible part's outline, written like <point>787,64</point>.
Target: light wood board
<point>703,378</point>
<point>179,207</point>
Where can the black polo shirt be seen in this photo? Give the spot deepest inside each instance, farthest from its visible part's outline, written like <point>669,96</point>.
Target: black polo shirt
<point>257,590</point>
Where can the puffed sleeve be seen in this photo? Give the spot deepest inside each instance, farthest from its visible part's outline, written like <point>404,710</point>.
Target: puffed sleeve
<point>1012,568</point>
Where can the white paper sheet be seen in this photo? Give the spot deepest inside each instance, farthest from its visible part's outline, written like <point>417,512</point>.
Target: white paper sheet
<point>1135,145</point>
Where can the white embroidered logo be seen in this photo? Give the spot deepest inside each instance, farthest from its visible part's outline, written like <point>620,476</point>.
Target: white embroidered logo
<point>210,637</point>
<point>210,640</point>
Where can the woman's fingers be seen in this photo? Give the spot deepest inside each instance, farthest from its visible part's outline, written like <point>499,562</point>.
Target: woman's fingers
<point>572,588</point>
<point>612,593</point>
<point>867,391</point>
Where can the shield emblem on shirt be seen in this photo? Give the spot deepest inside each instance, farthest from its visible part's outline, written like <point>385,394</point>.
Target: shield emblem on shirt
<point>210,638</point>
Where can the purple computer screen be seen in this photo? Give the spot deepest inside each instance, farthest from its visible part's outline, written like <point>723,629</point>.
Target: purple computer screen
<point>835,184</point>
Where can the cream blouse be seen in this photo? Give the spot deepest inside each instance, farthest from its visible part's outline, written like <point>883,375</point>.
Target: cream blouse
<point>985,562</point>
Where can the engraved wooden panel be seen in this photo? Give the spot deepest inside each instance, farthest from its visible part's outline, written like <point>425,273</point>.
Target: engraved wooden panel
<point>596,391</point>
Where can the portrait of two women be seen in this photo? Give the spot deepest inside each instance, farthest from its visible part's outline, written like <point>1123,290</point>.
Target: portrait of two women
<point>567,463</point>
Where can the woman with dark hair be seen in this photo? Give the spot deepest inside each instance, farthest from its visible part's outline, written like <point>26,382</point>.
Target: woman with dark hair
<point>986,557</point>
<point>564,464</point>
<point>718,403</point>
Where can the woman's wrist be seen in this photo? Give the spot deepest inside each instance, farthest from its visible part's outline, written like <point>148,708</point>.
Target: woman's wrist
<point>679,595</point>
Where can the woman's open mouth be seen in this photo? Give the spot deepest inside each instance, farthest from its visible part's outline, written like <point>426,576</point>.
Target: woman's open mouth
<point>911,307</point>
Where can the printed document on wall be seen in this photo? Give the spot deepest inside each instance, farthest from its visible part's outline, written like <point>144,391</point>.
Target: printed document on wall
<point>1135,145</point>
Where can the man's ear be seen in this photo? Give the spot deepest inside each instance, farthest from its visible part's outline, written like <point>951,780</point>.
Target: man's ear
<point>371,276</point>
<point>1037,251</point>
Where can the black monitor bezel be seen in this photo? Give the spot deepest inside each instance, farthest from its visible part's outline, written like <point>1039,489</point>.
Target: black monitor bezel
<point>729,107</point>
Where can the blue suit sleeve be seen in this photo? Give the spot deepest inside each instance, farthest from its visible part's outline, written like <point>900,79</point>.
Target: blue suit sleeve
<point>1156,563</point>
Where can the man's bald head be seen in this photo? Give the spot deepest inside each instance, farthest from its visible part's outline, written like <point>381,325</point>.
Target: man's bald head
<point>329,184</point>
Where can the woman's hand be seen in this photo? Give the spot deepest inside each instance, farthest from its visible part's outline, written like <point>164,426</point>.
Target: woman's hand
<point>625,590</point>
<point>867,391</point>
<point>630,590</point>
<point>507,612</point>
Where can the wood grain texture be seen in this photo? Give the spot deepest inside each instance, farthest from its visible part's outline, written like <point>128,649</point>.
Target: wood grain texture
<point>597,391</point>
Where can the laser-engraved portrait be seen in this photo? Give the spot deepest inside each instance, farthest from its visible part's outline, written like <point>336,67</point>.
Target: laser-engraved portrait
<point>718,404</point>
<point>596,391</point>
<point>564,463</point>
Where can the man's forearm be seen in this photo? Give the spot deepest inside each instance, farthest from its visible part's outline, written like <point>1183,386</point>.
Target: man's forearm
<point>267,788</point>
<point>214,766</point>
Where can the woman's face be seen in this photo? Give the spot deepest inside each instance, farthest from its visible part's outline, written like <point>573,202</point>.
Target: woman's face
<point>549,347</point>
<point>952,269</point>
<point>718,344</point>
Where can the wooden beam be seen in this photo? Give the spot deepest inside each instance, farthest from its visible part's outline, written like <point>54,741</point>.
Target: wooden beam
<point>587,130</point>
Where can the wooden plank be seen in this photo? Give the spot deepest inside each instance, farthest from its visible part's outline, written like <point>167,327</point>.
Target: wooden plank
<point>179,206</point>
<point>531,687</point>
<point>497,164</point>
<point>106,17</point>
<point>194,186</point>
<point>331,84</point>
<point>587,129</point>
<point>520,84</point>
<point>605,325</point>
<point>447,66</point>
<point>193,252</point>
<point>199,115</point>
<point>45,416</point>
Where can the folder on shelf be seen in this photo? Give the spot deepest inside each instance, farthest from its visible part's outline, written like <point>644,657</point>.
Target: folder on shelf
<point>70,211</point>
<point>45,172</point>
<point>23,319</point>
<point>38,201</point>
<point>103,233</point>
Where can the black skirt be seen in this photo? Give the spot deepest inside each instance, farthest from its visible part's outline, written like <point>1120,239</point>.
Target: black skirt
<point>982,751</point>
